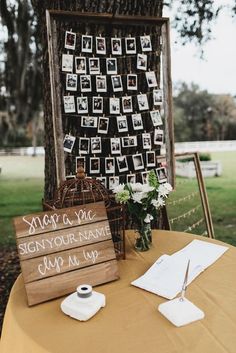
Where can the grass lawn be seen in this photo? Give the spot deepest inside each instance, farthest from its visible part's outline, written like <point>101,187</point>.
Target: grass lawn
<point>21,192</point>
<point>222,199</point>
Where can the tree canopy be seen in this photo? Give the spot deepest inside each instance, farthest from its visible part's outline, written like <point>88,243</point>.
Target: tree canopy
<point>20,62</point>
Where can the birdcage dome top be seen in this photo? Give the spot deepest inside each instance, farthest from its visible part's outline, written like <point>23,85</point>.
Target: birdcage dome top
<point>80,190</point>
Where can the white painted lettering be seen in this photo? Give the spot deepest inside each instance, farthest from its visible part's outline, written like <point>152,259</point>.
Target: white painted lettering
<point>49,264</point>
<point>91,255</point>
<point>66,220</point>
<point>73,261</point>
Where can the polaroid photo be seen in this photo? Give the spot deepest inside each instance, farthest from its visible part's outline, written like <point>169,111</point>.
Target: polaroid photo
<point>116,47</point>
<point>144,176</point>
<point>82,105</point>
<point>129,141</point>
<point>67,63</point>
<point>142,62</point>
<point>114,104</point>
<point>122,124</point>
<point>146,43</point>
<point>150,159</point>
<point>161,175</point>
<point>103,125</point>
<point>80,162</point>
<point>94,165</point>
<point>138,161</point>
<point>156,118</point>
<point>158,137</point>
<point>127,104</point>
<point>151,79</point>
<point>87,44</point>
<point>98,105</point>
<point>109,165</point>
<point>96,145</point>
<point>71,82</point>
<point>132,82</point>
<point>94,66</point>
<point>85,83</point>
<point>115,145</point>
<point>84,145</point>
<point>100,45</point>
<point>142,102</point>
<point>117,83</point>
<point>157,97</point>
<point>103,181</point>
<point>69,104</point>
<point>89,121</point>
<point>130,45</point>
<point>122,164</point>
<point>101,83</point>
<point>137,121</point>
<point>68,143</point>
<point>70,40</point>
<point>131,178</point>
<point>114,181</point>
<point>80,65</point>
<point>147,143</point>
<point>111,65</point>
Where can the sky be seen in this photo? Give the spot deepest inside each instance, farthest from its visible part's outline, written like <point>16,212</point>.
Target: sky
<point>217,71</point>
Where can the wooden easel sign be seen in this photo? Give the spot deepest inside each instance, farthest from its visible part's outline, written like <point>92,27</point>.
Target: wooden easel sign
<point>62,249</point>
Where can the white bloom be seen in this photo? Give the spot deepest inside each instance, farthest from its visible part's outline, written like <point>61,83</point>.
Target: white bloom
<point>154,202</point>
<point>147,188</point>
<point>164,189</point>
<point>160,202</point>
<point>138,196</point>
<point>118,188</point>
<point>148,218</point>
<point>168,187</point>
<point>136,187</point>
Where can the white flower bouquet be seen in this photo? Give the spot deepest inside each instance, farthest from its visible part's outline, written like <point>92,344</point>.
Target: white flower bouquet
<point>143,202</point>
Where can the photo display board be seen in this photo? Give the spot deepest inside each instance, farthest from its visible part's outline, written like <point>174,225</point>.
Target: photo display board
<point>111,96</point>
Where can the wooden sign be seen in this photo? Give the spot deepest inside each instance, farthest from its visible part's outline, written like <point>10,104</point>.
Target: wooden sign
<point>62,249</point>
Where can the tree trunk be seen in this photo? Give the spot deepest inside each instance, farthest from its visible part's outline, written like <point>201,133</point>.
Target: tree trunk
<point>123,7</point>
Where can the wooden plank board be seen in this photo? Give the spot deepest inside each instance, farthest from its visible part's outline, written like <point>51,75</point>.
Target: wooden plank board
<point>54,287</point>
<point>61,249</point>
<point>43,222</point>
<point>54,264</point>
<point>64,239</point>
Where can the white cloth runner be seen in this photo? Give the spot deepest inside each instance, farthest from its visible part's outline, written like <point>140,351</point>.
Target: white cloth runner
<point>165,277</point>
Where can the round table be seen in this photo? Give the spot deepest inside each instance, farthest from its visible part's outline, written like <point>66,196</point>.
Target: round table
<point>130,321</point>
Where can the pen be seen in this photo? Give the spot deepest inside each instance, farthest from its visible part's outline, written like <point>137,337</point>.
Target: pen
<point>184,287</point>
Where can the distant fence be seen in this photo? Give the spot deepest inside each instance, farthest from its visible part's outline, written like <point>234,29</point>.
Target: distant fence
<point>180,147</point>
<point>22,151</point>
<point>205,146</point>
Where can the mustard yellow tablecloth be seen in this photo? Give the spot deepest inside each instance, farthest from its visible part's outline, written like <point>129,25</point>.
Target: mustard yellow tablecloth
<point>130,321</point>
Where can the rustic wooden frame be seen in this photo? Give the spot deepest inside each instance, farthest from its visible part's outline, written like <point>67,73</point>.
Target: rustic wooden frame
<point>102,18</point>
<point>203,195</point>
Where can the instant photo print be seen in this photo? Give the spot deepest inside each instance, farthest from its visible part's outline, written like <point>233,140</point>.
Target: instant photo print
<point>116,47</point>
<point>80,65</point>
<point>68,143</point>
<point>67,63</point>
<point>70,40</point>
<point>71,82</point>
<point>69,104</point>
<point>87,44</point>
